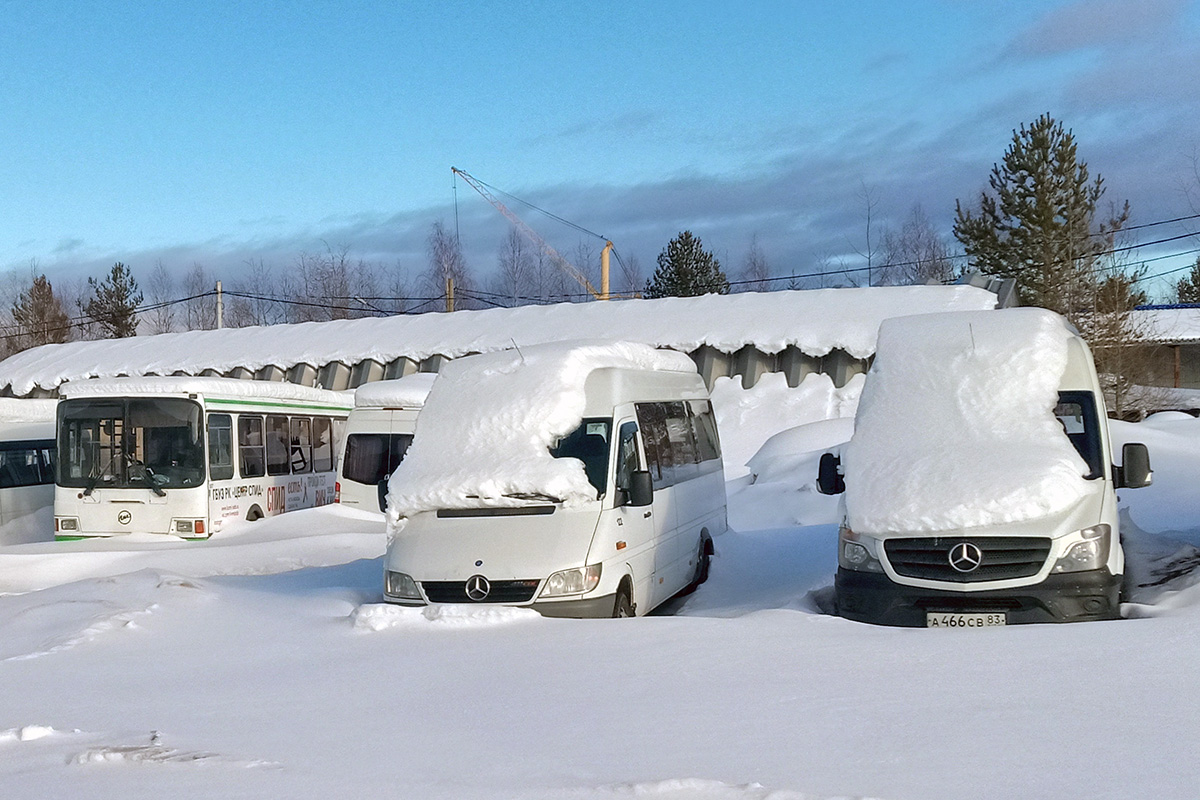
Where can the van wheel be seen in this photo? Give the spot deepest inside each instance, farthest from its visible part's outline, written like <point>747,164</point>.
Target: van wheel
<point>623,606</point>
<point>254,514</point>
<point>703,562</point>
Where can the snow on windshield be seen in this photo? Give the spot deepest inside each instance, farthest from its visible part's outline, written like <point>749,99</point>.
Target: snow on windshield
<point>956,425</point>
<point>488,424</point>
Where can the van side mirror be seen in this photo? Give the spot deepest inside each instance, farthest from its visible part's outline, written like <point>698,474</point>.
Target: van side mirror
<point>829,477</point>
<point>1134,472</point>
<point>641,489</point>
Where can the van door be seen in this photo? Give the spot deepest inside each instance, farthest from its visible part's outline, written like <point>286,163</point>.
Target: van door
<point>636,524</point>
<point>660,460</point>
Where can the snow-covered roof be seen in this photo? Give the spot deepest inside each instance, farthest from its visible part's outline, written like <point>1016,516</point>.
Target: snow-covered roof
<point>407,392</point>
<point>209,387</point>
<point>956,427</point>
<point>815,321</point>
<point>1168,325</point>
<point>485,433</point>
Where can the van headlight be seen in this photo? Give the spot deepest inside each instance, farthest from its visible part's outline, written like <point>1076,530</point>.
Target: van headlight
<point>400,586</point>
<point>572,581</point>
<point>857,552</point>
<point>1091,553</point>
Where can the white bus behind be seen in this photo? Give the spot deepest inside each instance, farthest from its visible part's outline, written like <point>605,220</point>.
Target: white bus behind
<point>187,456</point>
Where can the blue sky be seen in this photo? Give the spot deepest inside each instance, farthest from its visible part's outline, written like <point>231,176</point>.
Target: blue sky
<point>214,133</point>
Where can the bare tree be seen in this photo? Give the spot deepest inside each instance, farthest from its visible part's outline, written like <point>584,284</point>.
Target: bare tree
<point>756,270</point>
<point>161,287</point>
<point>513,269</point>
<point>250,300</point>
<point>870,201</point>
<point>633,279</point>
<point>446,267</point>
<point>200,311</point>
<point>917,254</point>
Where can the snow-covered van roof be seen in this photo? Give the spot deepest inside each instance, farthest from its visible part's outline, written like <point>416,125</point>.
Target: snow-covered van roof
<point>814,321</point>
<point>208,387</point>
<point>488,424</point>
<point>407,392</point>
<point>956,427</point>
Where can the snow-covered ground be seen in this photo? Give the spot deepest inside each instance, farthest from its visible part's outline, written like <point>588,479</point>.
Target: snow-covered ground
<point>263,664</point>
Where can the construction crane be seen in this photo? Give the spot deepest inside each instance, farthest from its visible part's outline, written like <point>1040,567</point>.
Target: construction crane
<point>542,244</point>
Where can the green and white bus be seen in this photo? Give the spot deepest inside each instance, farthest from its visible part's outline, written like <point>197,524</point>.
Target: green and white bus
<point>186,456</point>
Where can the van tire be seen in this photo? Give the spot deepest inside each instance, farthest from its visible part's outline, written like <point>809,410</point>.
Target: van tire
<point>254,514</point>
<point>623,605</point>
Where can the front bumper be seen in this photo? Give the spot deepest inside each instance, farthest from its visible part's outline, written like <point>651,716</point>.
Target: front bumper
<point>1061,597</point>
<point>592,607</point>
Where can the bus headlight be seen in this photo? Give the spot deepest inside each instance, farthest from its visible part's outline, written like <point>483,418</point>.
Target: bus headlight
<point>400,586</point>
<point>572,581</point>
<point>1091,553</point>
<point>857,552</point>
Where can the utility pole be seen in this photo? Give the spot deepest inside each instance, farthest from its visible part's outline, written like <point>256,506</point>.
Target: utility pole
<point>220,308</point>
<point>604,259</point>
<point>449,294</point>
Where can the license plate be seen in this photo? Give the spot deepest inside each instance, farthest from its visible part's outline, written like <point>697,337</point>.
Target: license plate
<point>935,619</point>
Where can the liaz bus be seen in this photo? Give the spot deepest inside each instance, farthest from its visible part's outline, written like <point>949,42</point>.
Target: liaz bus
<point>187,456</point>
<point>26,480</point>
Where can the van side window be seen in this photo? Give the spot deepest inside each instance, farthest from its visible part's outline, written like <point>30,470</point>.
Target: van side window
<point>220,447</point>
<point>684,454</point>
<point>704,426</point>
<point>652,421</point>
<point>1076,411</point>
<point>250,446</point>
<point>627,454</point>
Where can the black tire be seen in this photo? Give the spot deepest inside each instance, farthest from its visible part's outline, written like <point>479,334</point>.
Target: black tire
<point>623,605</point>
<point>703,562</point>
<point>254,514</point>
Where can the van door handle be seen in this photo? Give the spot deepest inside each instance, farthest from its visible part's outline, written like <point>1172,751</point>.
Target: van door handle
<point>647,515</point>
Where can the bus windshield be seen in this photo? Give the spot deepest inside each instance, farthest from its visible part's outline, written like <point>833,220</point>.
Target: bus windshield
<point>130,443</point>
<point>589,444</point>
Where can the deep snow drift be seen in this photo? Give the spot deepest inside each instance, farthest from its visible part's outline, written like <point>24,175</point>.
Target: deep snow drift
<point>263,664</point>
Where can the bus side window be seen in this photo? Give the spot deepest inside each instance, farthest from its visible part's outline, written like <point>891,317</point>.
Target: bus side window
<point>704,426</point>
<point>301,452</point>
<point>322,445</point>
<point>250,446</point>
<point>652,421</point>
<point>220,447</point>
<point>277,446</point>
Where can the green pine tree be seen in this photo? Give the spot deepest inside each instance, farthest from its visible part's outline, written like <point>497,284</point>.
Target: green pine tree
<point>1188,287</point>
<point>1039,225</point>
<point>114,301</point>
<point>686,269</point>
<point>39,315</point>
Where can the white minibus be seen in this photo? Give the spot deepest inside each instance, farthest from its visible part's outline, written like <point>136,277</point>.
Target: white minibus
<point>187,456</point>
<point>378,433</point>
<point>26,479</point>
<point>980,485</point>
<point>647,500</point>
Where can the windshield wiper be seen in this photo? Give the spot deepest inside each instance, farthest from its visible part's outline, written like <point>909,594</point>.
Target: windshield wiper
<point>546,498</point>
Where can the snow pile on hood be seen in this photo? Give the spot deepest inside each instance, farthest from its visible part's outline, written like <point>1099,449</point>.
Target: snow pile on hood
<point>490,420</point>
<point>956,425</point>
<point>407,392</point>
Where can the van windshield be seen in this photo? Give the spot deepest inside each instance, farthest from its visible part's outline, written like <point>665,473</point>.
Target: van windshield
<point>1077,413</point>
<point>589,443</point>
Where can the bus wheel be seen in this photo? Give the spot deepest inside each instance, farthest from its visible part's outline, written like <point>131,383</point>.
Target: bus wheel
<point>623,607</point>
<point>254,514</point>
<point>703,562</point>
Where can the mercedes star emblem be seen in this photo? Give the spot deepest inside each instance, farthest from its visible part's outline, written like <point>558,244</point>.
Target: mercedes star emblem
<point>478,588</point>
<point>966,557</point>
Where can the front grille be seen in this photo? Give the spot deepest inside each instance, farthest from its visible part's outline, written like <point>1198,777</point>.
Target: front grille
<point>1004,557</point>
<point>501,591</point>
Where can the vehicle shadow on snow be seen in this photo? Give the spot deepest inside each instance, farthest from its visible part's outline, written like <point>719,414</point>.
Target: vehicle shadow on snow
<point>781,568</point>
